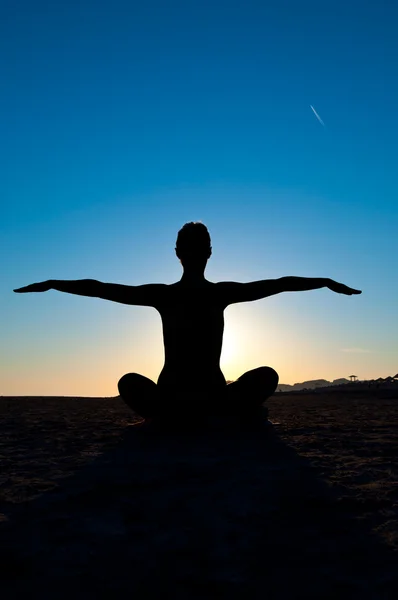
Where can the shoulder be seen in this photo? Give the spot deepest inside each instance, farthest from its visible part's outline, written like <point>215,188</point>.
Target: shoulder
<point>227,291</point>
<point>226,286</point>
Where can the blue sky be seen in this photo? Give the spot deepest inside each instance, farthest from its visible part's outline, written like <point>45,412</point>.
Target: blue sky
<point>121,121</point>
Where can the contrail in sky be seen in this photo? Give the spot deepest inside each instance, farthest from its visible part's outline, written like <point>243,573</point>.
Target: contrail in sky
<point>317,116</point>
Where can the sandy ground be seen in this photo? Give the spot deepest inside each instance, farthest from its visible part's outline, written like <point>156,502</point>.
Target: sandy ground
<point>93,504</point>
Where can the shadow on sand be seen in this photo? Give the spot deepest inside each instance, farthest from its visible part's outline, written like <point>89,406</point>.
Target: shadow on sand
<point>220,513</point>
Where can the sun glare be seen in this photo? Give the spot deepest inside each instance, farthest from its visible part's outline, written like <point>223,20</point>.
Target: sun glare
<point>230,353</point>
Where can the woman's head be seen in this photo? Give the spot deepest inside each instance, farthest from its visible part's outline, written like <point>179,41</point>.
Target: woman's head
<point>193,243</point>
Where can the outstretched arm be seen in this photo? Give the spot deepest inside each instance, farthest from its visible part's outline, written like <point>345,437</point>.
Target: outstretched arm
<point>247,292</point>
<point>143,295</point>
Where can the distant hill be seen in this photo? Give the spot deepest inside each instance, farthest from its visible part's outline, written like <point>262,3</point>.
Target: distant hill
<point>311,385</point>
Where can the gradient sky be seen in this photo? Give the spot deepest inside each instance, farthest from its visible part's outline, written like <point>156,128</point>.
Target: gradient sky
<point>122,120</point>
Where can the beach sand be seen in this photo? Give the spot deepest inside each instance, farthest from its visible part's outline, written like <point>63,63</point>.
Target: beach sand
<point>93,505</point>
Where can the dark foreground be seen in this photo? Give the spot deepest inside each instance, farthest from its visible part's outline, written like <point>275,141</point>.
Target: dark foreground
<point>94,506</point>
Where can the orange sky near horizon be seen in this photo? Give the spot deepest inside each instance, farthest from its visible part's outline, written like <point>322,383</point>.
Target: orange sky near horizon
<point>93,367</point>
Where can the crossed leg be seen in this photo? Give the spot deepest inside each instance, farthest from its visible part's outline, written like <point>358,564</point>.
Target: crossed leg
<point>244,396</point>
<point>251,390</point>
<point>140,393</point>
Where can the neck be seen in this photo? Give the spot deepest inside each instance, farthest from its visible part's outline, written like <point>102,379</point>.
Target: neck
<point>193,270</point>
<point>193,276</point>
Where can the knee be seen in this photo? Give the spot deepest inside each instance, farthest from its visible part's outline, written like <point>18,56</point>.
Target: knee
<point>134,383</point>
<point>127,383</point>
<point>265,378</point>
<point>269,374</point>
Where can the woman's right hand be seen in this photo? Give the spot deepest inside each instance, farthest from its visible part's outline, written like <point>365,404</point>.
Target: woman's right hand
<point>340,288</point>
